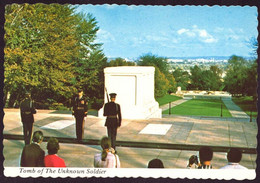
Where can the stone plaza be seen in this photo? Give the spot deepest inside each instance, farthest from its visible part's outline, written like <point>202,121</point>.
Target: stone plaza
<point>173,139</point>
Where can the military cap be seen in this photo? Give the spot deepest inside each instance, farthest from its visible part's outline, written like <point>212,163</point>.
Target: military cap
<point>27,93</point>
<point>112,95</point>
<point>80,90</point>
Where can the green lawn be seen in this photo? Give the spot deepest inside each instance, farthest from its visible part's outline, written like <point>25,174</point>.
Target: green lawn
<point>166,99</point>
<point>246,104</point>
<point>200,107</point>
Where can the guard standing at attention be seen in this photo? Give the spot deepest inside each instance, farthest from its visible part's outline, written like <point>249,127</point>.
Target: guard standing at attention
<point>113,112</point>
<point>80,110</point>
<point>27,110</point>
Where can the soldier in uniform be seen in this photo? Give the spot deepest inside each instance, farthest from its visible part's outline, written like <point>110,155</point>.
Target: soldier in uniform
<point>113,112</point>
<point>80,110</point>
<point>27,110</point>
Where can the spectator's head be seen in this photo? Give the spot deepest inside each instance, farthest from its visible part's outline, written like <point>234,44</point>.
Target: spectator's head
<point>38,137</point>
<point>155,163</point>
<point>53,146</point>
<point>106,145</point>
<point>205,154</point>
<point>234,155</point>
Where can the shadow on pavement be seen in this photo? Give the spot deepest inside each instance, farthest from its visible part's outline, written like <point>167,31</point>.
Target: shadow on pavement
<point>138,144</point>
<point>90,112</point>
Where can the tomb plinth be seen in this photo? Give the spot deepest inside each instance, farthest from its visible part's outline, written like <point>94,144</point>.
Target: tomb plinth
<point>134,86</point>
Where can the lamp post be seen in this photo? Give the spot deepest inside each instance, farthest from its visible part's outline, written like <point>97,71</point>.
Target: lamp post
<point>169,108</point>
<point>221,115</point>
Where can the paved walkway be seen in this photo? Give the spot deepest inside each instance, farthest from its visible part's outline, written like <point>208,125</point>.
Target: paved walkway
<point>234,109</point>
<point>173,139</point>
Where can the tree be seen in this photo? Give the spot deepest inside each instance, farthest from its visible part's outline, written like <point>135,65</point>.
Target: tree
<point>120,62</point>
<point>50,51</point>
<point>182,78</point>
<point>152,60</point>
<point>164,81</point>
<point>88,73</point>
<point>196,78</point>
<point>253,44</point>
<point>206,79</point>
<point>172,87</point>
<point>236,75</point>
<point>161,83</point>
<point>216,80</point>
<point>38,49</point>
<point>211,79</point>
<point>251,82</point>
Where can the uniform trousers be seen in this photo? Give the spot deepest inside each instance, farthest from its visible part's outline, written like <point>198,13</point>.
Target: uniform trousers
<point>27,132</point>
<point>80,126</point>
<point>111,132</point>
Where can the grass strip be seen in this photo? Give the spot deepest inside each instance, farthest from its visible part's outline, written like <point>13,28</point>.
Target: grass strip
<point>201,107</point>
<point>167,98</point>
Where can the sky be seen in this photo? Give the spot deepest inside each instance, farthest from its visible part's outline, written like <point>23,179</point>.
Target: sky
<point>174,31</point>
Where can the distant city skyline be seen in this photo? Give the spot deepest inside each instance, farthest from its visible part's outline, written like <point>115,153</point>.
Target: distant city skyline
<point>174,31</point>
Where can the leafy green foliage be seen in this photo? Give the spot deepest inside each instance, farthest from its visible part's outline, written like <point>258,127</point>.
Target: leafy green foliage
<point>51,51</point>
<point>203,79</point>
<point>247,104</point>
<point>164,81</point>
<point>120,62</point>
<point>241,76</point>
<point>182,78</point>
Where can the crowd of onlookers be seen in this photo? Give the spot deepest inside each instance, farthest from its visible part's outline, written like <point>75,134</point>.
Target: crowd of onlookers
<point>34,156</point>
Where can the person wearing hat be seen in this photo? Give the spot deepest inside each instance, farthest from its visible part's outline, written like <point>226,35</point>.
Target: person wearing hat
<point>27,110</point>
<point>80,110</point>
<point>113,113</point>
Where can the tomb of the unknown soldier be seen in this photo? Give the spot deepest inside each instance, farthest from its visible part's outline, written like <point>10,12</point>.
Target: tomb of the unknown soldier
<point>134,86</point>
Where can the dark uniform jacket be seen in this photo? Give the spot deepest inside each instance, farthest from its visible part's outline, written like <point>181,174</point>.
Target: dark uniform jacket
<point>27,110</point>
<point>32,156</point>
<point>80,106</point>
<point>113,112</point>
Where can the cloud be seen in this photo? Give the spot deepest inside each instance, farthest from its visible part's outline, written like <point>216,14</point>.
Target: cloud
<point>219,29</point>
<point>155,38</point>
<point>181,31</point>
<point>187,32</point>
<point>210,40</point>
<point>236,37</point>
<point>201,34</point>
<point>105,36</point>
<point>138,41</point>
<point>191,34</point>
<point>230,34</point>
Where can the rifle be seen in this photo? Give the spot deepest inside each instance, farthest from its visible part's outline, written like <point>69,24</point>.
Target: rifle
<point>107,94</point>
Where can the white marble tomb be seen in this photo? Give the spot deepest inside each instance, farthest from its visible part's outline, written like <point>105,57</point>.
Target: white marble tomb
<point>134,86</point>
